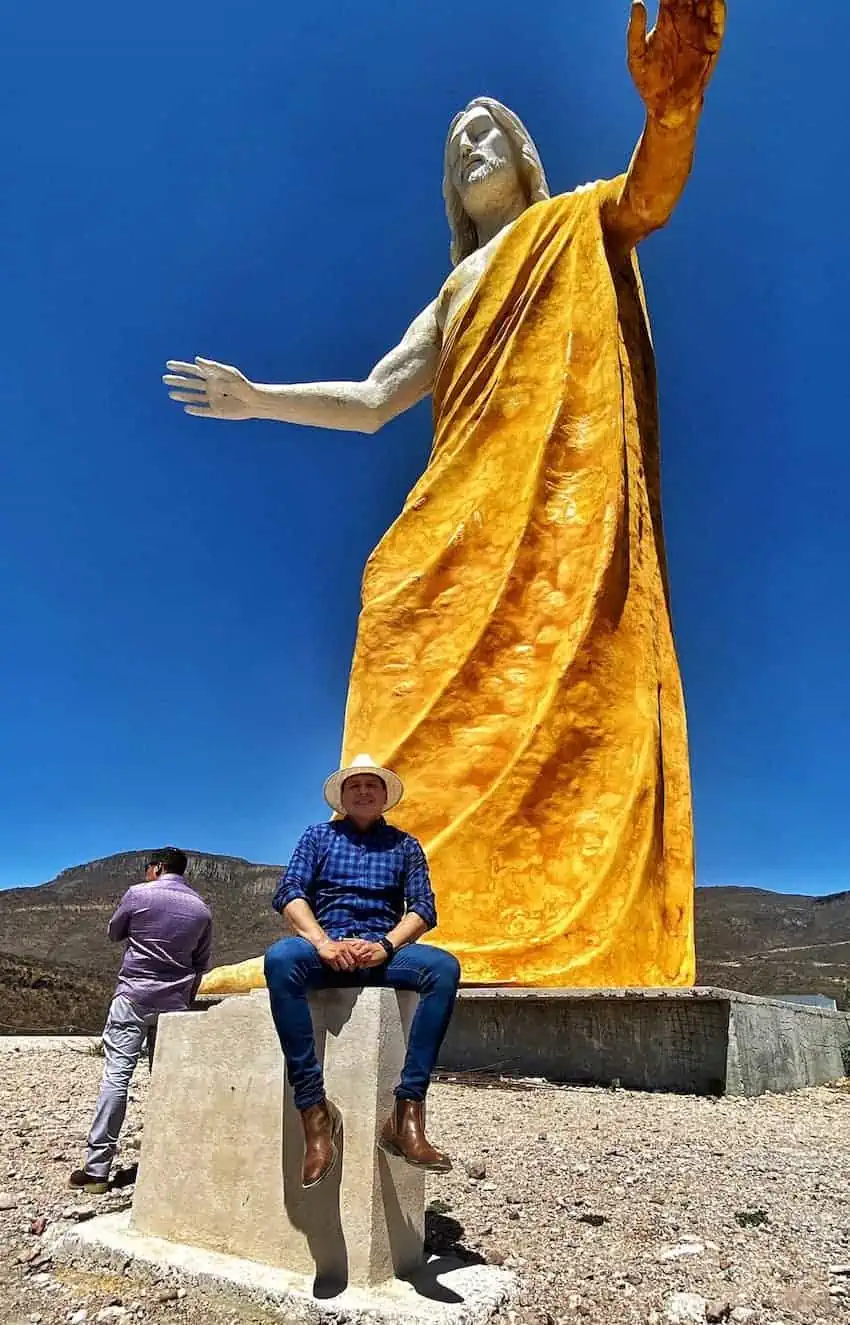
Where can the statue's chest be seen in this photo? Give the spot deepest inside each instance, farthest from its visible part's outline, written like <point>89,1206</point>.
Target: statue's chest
<point>463,280</point>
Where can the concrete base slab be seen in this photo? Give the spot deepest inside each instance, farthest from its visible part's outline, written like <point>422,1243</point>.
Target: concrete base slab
<point>441,1292</point>
<point>695,1041</point>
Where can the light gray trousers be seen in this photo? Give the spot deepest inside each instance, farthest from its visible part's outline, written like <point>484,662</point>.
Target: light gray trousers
<point>128,1029</point>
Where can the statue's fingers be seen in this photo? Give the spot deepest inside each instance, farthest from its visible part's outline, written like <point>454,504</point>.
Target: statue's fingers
<point>203,412</point>
<point>190,397</point>
<point>717,18</point>
<point>187,383</point>
<point>176,366</point>
<point>636,38</point>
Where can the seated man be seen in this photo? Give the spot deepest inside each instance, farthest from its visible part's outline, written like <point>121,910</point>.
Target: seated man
<point>358,895</point>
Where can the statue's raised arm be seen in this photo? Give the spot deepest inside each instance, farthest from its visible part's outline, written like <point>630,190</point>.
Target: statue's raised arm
<point>216,391</point>
<point>671,67</point>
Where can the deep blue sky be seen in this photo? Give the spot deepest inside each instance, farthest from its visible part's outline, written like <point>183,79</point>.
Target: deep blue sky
<point>262,186</point>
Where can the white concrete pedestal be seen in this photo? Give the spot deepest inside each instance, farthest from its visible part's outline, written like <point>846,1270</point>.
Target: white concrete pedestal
<point>221,1156</point>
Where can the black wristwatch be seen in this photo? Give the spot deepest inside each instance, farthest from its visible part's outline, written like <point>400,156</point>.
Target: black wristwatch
<point>388,948</point>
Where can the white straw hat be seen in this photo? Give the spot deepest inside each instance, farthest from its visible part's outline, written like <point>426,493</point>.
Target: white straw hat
<point>363,764</point>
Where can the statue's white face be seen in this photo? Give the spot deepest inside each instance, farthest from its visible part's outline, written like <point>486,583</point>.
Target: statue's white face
<point>481,160</point>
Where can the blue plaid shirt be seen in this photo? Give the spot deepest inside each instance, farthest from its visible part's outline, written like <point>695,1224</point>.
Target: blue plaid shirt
<point>358,885</point>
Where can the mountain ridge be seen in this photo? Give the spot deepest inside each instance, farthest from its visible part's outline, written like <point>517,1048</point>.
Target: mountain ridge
<point>53,935</point>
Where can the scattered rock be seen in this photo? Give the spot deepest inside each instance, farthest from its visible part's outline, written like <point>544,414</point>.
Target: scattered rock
<point>111,1313</point>
<point>38,1263</point>
<point>530,1316</point>
<point>687,1247</point>
<point>475,1168</point>
<point>741,1315</point>
<point>751,1218</point>
<point>718,1311</point>
<point>595,1221</point>
<point>7,1202</point>
<point>167,1295</point>
<point>684,1308</point>
<point>38,1226</point>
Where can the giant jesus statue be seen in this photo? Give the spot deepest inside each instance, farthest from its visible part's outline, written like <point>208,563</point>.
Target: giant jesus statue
<point>514,659</point>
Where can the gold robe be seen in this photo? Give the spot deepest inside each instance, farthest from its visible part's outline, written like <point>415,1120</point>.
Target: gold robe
<point>514,660</point>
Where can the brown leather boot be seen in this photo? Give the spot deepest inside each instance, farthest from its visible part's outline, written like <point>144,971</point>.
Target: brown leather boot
<point>322,1124</point>
<point>403,1134</point>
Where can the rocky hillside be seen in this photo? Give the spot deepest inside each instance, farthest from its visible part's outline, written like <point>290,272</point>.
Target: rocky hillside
<point>772,943</point>
<point>50,997</point>
<point>63,966</point>
<point>65,920</point>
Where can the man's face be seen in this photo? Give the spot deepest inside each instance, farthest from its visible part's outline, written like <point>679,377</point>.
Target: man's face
<point>364,796</point>
<point>479,152</point>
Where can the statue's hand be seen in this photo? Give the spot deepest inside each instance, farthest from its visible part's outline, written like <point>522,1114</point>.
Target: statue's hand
<point>672,64</point>
<point>211,390</point>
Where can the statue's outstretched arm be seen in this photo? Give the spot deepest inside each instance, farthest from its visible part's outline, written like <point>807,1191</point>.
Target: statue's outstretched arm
<point>671,67</point>
<point>401,379</point>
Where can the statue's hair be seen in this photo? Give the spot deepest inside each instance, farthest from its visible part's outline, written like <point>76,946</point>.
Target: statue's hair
<point>529,166</point>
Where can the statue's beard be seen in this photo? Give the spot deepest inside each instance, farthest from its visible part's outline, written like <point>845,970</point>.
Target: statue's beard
<point>485,169</point>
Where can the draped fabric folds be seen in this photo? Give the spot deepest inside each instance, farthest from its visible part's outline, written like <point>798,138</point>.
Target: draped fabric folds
<point>514,659</point>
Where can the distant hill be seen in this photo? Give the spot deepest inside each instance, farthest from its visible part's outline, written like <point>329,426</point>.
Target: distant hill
<point>762,942</point>
<point>65,920</point>
<point>59,929</point>
<point>63,968</point>
<point>38,998</point>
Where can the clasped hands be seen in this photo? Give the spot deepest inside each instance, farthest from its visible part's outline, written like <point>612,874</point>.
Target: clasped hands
<point>351,954</point>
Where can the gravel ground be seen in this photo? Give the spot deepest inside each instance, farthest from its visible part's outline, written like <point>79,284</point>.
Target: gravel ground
<point>610,1205</point>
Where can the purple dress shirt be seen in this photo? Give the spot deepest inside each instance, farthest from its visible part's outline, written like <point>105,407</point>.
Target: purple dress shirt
<point>168,931</point>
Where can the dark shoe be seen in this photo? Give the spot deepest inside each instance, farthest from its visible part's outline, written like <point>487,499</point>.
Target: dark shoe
<point>322,1125</point>
<point>404,1135</point>
<point>87,1182</point>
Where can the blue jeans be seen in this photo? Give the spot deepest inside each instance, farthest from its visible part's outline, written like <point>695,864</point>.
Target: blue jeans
<point>293,967</point>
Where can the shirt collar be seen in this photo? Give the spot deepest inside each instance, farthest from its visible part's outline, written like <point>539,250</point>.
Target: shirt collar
<point>351,826</point>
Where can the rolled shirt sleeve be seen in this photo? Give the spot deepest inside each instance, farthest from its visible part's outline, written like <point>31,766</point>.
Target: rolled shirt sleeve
<point>299,874</point>
<point>418,893</point>
<point>118,928</point>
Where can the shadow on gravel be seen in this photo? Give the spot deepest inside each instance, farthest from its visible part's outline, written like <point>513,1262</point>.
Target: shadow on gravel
<point>444,1237</point>
<point>124,1178</point>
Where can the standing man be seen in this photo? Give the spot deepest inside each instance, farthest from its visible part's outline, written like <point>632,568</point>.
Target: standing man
<point>167,928</point>
<point>358,895</point>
